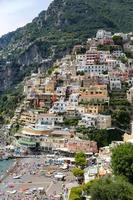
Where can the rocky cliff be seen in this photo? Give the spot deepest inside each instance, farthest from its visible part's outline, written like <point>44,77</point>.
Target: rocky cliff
<point>55,31</point>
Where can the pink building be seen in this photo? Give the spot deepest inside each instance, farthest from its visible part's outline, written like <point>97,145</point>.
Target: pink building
<point>85,146</point>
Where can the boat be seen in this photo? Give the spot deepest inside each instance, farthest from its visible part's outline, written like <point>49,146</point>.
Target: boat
<point>12,192</point>
<point>17,177</point>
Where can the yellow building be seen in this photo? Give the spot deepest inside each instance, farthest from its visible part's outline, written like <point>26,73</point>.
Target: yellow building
<point>37,131</point>
<point>128,138</point>
<point>50,87</point>
<point>94,109</point>
<point>96,93</point>
<point>28,117</point>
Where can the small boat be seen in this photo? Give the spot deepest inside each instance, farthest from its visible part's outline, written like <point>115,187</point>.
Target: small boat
<point>17,177</point>
<point>12,192</point>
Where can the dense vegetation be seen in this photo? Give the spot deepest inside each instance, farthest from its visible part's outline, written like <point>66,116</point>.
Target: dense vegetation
<point>111,189</point>
<point>117,186</point>
<point>122,161</point>
<point>102,137</point>
<point>104,189</point>
<point>55,31</point>
<point>9,100</point>
<point>68,22</point>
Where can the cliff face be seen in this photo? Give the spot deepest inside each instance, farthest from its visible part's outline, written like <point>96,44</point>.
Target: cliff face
<point>55,31</point>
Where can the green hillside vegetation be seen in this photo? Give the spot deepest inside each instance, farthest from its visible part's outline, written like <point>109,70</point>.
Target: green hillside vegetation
<point>9,100</point>
<point>55,31</point>
<point>69,22</point>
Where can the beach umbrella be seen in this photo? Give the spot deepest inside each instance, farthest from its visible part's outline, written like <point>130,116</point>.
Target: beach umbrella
<point>11,185</point>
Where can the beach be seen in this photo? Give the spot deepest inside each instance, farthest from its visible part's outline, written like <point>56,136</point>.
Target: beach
<point>5,165</point>
<point>32,177</point>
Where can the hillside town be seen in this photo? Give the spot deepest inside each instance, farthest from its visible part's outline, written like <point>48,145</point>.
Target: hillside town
<point>77,93</point>
<point>77,89</point>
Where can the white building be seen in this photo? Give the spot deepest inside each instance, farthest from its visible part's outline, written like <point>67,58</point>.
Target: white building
<point>59,107</point>
<point>93,69</point>
<point>104,79</point>
<point>130,95</point>
<point>104,55</point>
<point>118,53</point>
<point>80,59</point>
<point>112,63</point>
<point>49,119</point>
<point>124,36</point>
<point>123,67</point>
<point>96,121</point>
<point>103,121</point>
<point>103,34</point>
<point>130,82</point>
<point>89,120</point>
<point>115,83</point>
<point>73,99</point>
<point>61,91</point>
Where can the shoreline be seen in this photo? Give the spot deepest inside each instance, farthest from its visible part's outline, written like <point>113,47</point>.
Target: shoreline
<point>10,170</point>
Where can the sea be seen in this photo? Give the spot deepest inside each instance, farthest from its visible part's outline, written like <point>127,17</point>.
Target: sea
<point>5,165</point>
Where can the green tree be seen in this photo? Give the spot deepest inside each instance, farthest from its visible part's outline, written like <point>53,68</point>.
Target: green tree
<point>129,54</point>
<point>50,71</point>
<point>75,193</point>
<point>77,172</point>
<point>80,159</point>
<point>81,73</point>
<point>71,121</point>
<point>123,59</point>
<point>122,161</point>
<point>103,137</point>
<point>111,189</point>
<point>123,118</point>
<point>118,40</point>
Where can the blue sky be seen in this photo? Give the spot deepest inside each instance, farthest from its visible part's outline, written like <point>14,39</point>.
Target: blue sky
<point>17,13</point>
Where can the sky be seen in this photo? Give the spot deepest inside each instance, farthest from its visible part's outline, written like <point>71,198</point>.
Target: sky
<point>17,13</point>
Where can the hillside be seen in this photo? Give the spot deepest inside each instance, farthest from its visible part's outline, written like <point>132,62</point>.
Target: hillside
<point>55,31</point>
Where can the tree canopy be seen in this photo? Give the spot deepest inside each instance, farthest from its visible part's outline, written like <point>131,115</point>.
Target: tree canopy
<point>111,189</point>
<point>80,159</point>
<point>122,161</point>
<point>107,188</point>
<point>78,172</point>
<point>102,137</point>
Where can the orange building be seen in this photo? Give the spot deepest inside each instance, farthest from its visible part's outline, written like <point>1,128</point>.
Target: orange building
<point>96,93</point>
<point>50,86</point>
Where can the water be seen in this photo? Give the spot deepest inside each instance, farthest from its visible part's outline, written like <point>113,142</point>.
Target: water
<point>5,165</point>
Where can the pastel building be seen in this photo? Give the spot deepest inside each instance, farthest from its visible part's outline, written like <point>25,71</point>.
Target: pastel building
<point>74,146</point>
<point>50,87</point>
<point>49,119</point>
<point>103,34</point>
<point>59,107</point>
<point>130,95</point>
<point>93,69</point>
<point>89,120</point>
<point>94,109</point>
<point>39,130</point>
<point>92,57</point>
<point>115,83</point>
<point>103,121</point>
<point>96,121</point>
<point>28,117</point>
<point>73,99</point>
<point>96,93</point>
